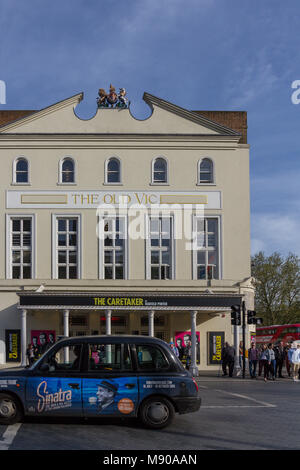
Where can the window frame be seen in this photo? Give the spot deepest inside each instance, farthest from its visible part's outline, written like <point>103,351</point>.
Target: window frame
<point>60,171</point>
<point>14,172</point>
<point>113,183</point>
<point>219,246</point>
<point>158,183</point>
<point>9,247</point>
<point>101,249</point>
<point>55,247</point>
<point>213,179</point>
<point>148,247</point>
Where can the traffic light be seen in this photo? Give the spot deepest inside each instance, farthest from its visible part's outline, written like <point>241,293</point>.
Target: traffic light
<point>251,315</point>
<point>235,314</point>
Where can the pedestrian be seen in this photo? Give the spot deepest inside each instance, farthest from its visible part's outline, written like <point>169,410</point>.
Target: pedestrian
<point>174,349</point>
<point>262,359</point>
<point>296,362</point>
<point>224,358</point>
<point>287,362</point>
<point>279,357</point>
<point>230,359</point>
<point>271,363</point>
<point>188,354</point>
<point>292,348</point>
<point>30,354</point>
<point>241,354</point>
<point>253,356</point>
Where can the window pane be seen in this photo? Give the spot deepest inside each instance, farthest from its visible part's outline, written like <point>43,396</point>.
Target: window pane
<point>106,357</point>
<point>16,225</point>
<point>154,225</point>
<point>72,240</point>
<point>57,360</point>
<point>201,272</point>
<point>154,272</point>
<point>62,225</point>
<point>108,241</point>
<point>113,177</point>
<point>62,240</point>
<point>119,257</point>
<point>166,257</point>
<point>154,257</point>
<point>72,257</point>
<point>108,257</point>
<point>201,257</point>
<point>27,257</point>
<point>72,272</point>
<point>68,165</point>
<point>27,225</point>
<point>151,358</point>
<point>72,225</point>
<point>22,177</point>
<point>119,272</point>
<point>113,165</point>
<point>22,165</point>
<point>62,257</point>
<point>16,272</point>
<point>108,273</point>
<point>26,272</point>
<point>16,240</point>
<point>212,225</point>
<point>62,272</point>
<point>16,256</point>
<point>26,239</point>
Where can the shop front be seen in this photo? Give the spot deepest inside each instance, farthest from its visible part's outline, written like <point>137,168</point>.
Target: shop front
<point>171,317</point>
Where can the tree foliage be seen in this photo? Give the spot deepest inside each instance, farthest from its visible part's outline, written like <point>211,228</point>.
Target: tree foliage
<point>277,282</point>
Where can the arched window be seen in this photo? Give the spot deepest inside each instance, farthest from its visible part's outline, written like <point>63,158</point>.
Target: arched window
<point>113,170</point>
<point>21,173</point>
<point>206,171</point>
<point>67,170</point>
<point>160,171</point>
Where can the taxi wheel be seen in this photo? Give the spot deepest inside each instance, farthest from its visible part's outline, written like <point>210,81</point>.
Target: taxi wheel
<point>157,412</point>
<point>10,411</point>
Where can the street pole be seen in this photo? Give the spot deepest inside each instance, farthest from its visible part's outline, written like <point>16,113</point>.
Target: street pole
<point>237,368</point>
<point>244,336</point>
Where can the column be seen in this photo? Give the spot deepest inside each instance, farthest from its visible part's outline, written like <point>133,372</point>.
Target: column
<point>66,333</point>
<point>151,322</point>
<point>194,368</point>
<point>108,321</point>
<point>23,336</point>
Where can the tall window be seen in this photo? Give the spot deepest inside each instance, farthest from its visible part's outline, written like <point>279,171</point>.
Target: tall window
<point>161,241</point>
<point>159,170</point>
<point>206,249</point>
<point>20,248</point>
<point>67,247</point>
<point>206,171</point>
<point>21,174</point>
<point>67,171</point>
<point>113,248</point>
<point>113,171</point>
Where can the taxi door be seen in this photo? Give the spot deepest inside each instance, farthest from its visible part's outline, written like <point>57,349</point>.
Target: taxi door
<point>110,386</point>
<point>55,387</point>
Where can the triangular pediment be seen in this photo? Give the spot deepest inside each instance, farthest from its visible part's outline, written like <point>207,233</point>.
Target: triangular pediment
<point>166,118</point>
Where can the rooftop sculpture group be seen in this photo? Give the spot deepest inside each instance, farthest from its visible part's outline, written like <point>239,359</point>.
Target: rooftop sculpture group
<point>112,99</point>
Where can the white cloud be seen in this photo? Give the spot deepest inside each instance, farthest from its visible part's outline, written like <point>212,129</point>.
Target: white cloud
<point>276,232</point>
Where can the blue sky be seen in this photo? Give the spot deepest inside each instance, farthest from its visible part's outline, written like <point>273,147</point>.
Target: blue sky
<point>198,54</point>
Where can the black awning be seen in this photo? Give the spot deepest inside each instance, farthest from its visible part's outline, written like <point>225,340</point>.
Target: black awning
<point>126,301</point>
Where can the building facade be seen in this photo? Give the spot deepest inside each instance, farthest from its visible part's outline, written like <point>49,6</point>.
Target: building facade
<point>114,225</point>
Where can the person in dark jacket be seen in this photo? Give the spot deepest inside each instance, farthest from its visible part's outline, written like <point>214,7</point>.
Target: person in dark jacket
<point>280,358</point>
<point>227,356</point>
<point>253,357</point>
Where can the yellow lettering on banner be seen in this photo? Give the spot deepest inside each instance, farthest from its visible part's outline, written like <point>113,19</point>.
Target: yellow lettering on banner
<point>99,301</point>
<point>110,198</point>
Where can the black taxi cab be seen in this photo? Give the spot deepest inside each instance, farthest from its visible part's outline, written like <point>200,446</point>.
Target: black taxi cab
<point>91,376</point>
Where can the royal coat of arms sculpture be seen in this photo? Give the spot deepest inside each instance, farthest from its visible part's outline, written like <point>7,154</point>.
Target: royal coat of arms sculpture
<point>112,99</point>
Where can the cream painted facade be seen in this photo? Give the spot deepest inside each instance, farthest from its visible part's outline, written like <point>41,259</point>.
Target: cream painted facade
<point>183,139</point>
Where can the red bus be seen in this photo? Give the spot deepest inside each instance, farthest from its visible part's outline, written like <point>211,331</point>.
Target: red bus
<point>276,333</point>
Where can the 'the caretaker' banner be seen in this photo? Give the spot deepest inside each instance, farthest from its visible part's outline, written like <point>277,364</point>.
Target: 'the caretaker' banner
<point>216,343</point>
<point>13,345</point>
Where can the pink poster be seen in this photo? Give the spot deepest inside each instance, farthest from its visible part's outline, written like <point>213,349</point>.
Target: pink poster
<point>181,341</point>
<point>42,340</point>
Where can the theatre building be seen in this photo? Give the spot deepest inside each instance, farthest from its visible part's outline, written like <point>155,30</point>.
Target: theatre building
<point>114,225</point>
